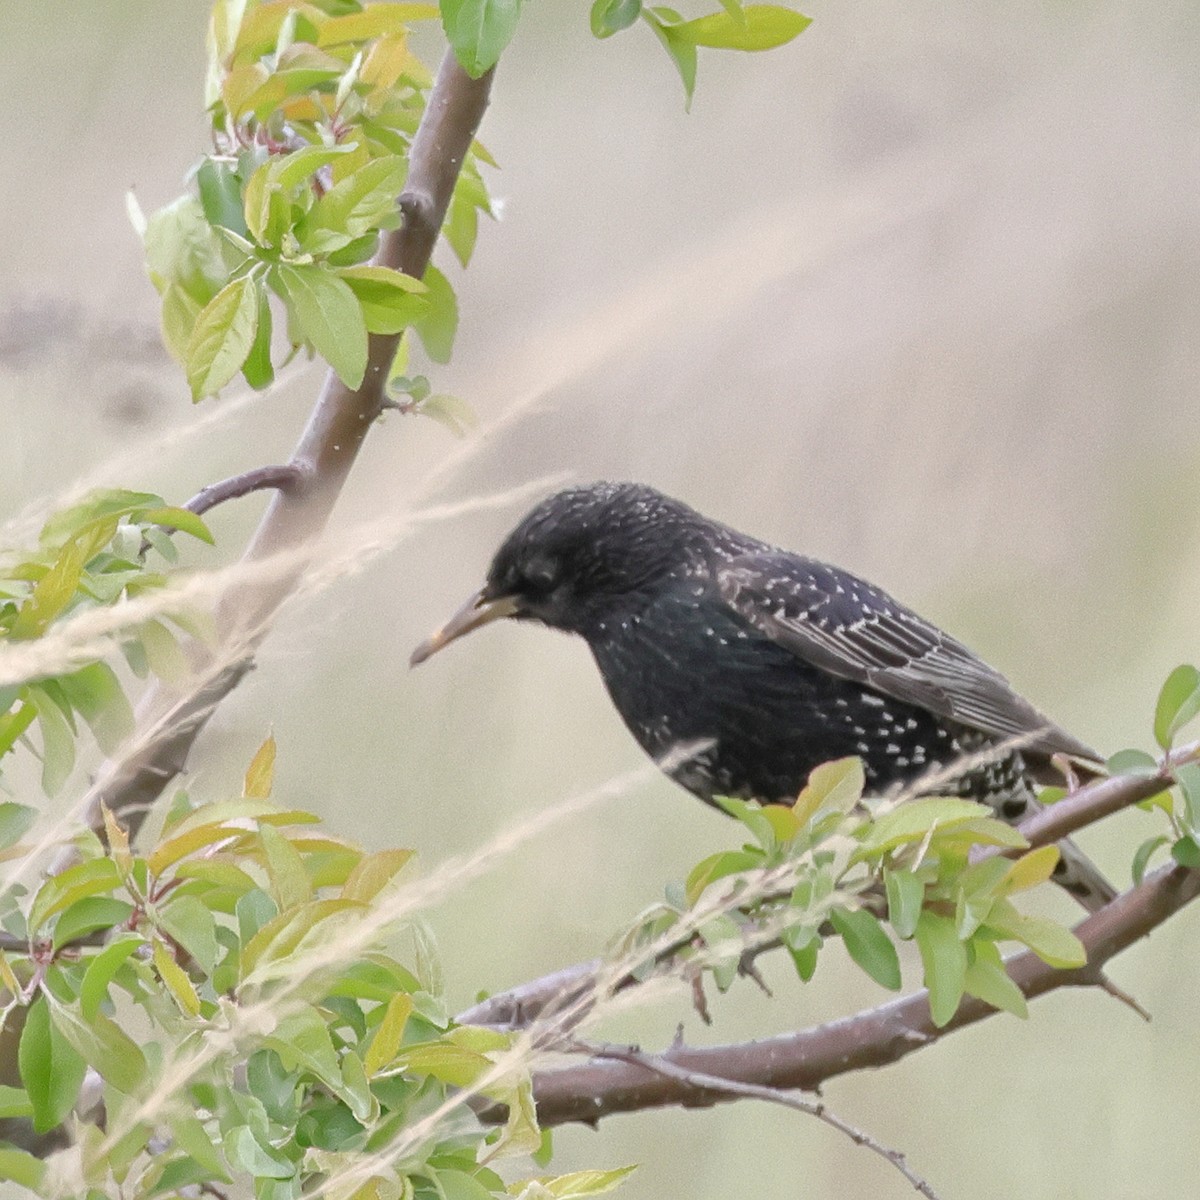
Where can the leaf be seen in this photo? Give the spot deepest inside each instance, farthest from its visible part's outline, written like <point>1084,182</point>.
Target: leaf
<point>222,337</point>
<point>329,316</point>
<point>905,895</point>
<point>16,820</point>
<point>1186,852</point>
<point>221,196</point>
<point>1141,859</point>
<point>760,27</point>
<point>93,877</point>
<point>478,30</point>
<point>911,821</point>
<point>682,52</point>
<point>386,1042</point>
<point>987,979</point>
<point>868,944</point>
<point>244,1150</point>
<point>258,370</point>
<point>373,873</point>
<point>611,16</point>
<point>1031,869</point>
<point>390,299</point>
<point>290,885</point>
<point>96,694</point>
<point>104,1045</point>
<point>374,21</point>
<point>1132,762</point>
<point>580,1183</point>
<point>14,1102</point>
<point>1178,703</point>
<point>359,204</point>
<point>260,774</point>
<point>437,327</point>
<point>182,519</point>
<point>836,785</point>
<point>718,866</point>
<point>100,973</point>
<point>89,914</point>
<point>22,1168</point>
<point>51,1071</point>
<point>1054,944</point>
<point>176,979</point>
<point>944,958</point>
<point>191,923</point>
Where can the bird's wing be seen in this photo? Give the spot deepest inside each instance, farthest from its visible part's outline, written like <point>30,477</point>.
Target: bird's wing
<point>845,626</point>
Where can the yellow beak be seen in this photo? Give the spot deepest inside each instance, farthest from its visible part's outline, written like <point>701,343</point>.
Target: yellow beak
<point>478,610</point>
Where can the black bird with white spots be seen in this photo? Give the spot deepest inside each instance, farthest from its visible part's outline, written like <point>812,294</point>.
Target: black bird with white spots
<point>778,661</point>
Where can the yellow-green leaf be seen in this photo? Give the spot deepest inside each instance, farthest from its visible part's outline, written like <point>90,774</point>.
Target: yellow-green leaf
<point>222,337</point>
<point>260,774</point>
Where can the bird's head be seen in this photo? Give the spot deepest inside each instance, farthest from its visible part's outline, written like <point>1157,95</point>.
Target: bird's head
<point>579,557</point>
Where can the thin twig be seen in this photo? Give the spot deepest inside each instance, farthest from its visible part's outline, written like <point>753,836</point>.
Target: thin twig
<point>705,1085</point>
<point>282,477</point>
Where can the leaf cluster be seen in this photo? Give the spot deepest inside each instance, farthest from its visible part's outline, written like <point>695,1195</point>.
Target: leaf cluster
<point>229,987</point>
<point>834,865</point>
<point>314,107</point>
<point>91,555</point>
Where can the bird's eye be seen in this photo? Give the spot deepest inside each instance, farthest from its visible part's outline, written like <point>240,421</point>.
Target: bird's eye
<point>541,573</point>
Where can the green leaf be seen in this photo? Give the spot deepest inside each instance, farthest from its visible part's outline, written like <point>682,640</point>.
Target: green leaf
<point>905,895</point>
<point>1186,852</point>
<point>93,877</point>
<point>14,724</point>
<point>290,885</point>
<point>760,27</point>
<point>1052,943</point>
<point>221,196</point>
<point>1132,762</point>
<point>191,923</point>
<point>1141,860</point>
<point>191,1136</point>
<point>478,30</point>
<point>373,873</point>
<point>258,370</point>
<point>1178,703</point>
<point>390,300</point>
<point>104,1045</point>
<point>578,1184</point>
<point>22,1168</point>
<point>611,16</point>
<point>868,944</point>
<point>911,821</point>
<point>944,958</point>
<point>681,51</point>
<point>96,694</point>
<point>355,207</point>
<point>805,959</point>
<point>182,519</point>
<point>718,866</point>
<point>14,1102</point>
<point>328,315</point>
<point>259,1161</point>
<point>987,979</point>
<point>58,742</point>
<point>836,786</point>
<point>437,327</point>
<point>51,1071</point>
<point>89,914</point>
<point>100,973</point>
<point>16,820</point>
<point>222,337</point>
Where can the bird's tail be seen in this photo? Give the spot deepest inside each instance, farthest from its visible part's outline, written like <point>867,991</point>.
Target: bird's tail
<point>1078,875</point>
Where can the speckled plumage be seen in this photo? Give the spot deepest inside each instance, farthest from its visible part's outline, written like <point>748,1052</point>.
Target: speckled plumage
<point>783,662</point>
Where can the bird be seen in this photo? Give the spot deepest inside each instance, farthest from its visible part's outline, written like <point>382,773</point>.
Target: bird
<point>773,661</point>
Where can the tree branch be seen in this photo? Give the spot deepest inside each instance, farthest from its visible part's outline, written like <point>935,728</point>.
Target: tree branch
<point>519,1007</point>
<point>699,1082</point>
<point>256,480</point>
<point>873,1038</point>
<point>319,465</point>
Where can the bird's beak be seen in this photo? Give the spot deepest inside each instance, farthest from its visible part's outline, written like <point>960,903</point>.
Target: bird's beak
<point>481,609</point>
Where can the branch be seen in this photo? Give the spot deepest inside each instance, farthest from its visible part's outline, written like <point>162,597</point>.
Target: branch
<point>256,480</point>
<point>699,1082</point>
<point>318,468</point>
<point>873,1038</point>
<point>520,1006</point>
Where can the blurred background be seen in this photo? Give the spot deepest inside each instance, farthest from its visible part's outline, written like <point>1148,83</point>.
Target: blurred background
<point>918,293</point>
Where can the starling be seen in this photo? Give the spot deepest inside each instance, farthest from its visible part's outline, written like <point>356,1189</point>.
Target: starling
<point>777,661</point>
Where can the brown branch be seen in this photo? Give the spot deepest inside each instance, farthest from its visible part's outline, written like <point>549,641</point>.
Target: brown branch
<point>873,1038</point>
<point>260,478</point>
<point>519,1007</point>
<point>321,461</point>
<point>697,1081</point>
